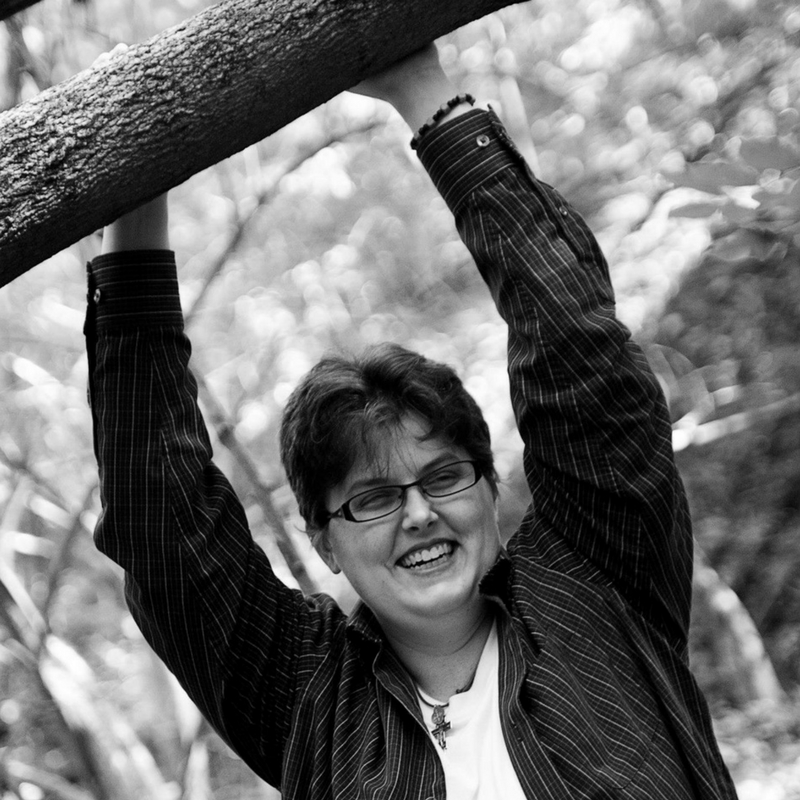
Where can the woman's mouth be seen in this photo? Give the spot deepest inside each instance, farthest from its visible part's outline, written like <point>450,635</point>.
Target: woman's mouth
<point>426,555</point>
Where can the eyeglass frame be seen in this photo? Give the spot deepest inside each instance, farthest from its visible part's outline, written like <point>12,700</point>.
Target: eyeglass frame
<point>344,511</point>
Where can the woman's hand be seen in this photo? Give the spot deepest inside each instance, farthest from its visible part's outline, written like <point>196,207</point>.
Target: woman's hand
<point>416,86</point>
<point>404,77</point>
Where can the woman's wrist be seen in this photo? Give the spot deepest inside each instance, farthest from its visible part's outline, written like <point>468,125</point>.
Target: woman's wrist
<point>418,88</point>
<point>145,228</point>
<point>454,107</point>
<point>419,100</point>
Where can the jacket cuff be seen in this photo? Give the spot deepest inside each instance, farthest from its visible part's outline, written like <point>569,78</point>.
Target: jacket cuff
<point>462,154</point>
<point>134,288</point>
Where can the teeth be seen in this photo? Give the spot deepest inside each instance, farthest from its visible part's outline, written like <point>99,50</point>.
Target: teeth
<point>419,557</point>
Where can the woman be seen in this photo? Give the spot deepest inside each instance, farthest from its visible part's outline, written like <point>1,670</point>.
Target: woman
<point>554,669</point>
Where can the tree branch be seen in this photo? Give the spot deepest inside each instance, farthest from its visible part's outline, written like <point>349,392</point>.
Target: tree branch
<point>265,194</point>
<point>742,667</point>
<point>694,435</point>
<point>60,561</point>
<point>82,153</point>
<point>263,493</point>
<point>51,783</point>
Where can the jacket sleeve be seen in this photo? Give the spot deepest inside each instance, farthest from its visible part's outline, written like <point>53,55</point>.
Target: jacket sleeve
<point>607,499</point>
<point>201,590</point>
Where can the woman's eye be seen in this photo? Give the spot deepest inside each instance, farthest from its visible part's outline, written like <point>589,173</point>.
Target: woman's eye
<point>442,479</point>
<point>375,499</point>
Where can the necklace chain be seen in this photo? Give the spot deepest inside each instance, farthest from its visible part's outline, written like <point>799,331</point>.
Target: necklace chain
<point>440,723</point>
<point>431,705</point>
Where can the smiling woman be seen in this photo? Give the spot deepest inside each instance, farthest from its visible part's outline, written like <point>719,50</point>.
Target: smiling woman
<point>346,408</point>
<point>554,669</point>
<point>418,569</point>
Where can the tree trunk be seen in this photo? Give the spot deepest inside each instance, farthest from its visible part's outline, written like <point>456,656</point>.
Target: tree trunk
<point>82,153</point>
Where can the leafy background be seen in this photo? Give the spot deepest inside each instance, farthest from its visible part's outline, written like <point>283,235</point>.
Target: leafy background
<point>672,125</point>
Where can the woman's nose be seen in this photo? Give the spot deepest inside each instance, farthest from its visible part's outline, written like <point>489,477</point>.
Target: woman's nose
<point>418,512</point>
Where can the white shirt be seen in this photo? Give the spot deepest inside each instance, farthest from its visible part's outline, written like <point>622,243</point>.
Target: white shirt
<point>476,762</point>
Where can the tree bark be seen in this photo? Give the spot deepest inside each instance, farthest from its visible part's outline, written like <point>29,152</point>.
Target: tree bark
<point>82,153</point>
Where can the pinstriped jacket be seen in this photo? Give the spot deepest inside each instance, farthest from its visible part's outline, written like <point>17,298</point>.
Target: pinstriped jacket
<point>592,593</point>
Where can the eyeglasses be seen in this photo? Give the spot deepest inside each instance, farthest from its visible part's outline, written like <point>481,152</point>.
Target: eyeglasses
<point>384,500</point>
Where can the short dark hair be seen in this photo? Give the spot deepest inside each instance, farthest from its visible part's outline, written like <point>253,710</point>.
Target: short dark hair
<point>344,404</point>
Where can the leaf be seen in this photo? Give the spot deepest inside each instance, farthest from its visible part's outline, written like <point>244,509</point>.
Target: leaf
<point>737,214</point>
<point>735,247</point>
<point>694,210</point>
<point>792,197</point>
<point>18,610</point>
<point>769,153</point>
<point>713,176</point>
<point>53,784</point>
<point>746,243</point>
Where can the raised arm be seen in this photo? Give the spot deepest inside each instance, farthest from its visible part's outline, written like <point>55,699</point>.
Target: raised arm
<point>607,501</point>
<point>198,586</point>
<point>598,450</point>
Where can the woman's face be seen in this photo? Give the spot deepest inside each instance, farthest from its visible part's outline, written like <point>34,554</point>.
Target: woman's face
<point>425,560</point>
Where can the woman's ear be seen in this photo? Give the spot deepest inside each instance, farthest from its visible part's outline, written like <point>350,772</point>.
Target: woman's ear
<point>321,543</point>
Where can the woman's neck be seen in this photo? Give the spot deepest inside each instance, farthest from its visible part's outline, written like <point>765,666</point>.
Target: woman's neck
<point>442,658</point>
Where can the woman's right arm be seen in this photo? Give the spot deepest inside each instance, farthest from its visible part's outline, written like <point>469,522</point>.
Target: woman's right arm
<point>201,590</point>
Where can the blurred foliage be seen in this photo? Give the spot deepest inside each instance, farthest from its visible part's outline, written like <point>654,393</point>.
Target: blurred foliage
<point>731,336</point>
<point>672,125</point>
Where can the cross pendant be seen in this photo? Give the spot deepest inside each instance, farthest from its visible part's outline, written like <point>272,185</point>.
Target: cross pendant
<point>441,726</point>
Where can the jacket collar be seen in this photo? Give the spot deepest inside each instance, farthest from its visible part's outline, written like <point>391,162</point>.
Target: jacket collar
<point>363,626</point>
<point>496,583</point>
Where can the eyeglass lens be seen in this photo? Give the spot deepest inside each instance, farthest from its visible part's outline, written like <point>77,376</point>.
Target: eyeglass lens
<point>447,480</point>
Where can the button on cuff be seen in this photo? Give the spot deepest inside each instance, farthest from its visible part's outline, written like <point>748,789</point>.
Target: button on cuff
<point>96,296</point>
<point>483,140</point>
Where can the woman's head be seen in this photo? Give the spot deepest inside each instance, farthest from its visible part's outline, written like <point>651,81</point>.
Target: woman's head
<point>344,407</point>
